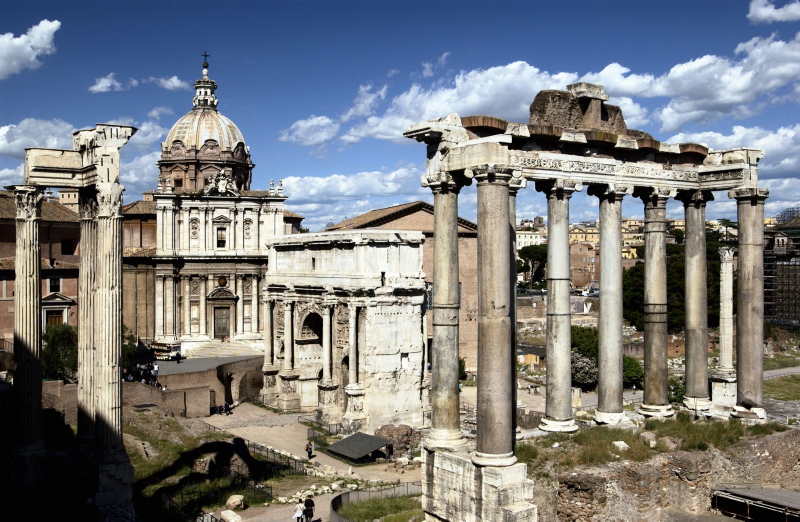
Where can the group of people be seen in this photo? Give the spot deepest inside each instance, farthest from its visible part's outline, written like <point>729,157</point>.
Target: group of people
<point>304,510</point>
<point>144,373</point>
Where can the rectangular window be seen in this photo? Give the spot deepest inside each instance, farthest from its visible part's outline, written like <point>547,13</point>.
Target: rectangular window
<point>67,247</point>
<point>55,284</point>
<point>222,235</point>
<point>54,317</point>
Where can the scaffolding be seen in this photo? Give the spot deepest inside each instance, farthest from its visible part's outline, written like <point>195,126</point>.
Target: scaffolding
<point>782,270</point>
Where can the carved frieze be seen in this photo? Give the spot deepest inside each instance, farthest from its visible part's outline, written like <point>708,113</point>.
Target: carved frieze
<point>248,228</point>
<point>194,228</point>
<point>749,192</point>
<point>342,327</point>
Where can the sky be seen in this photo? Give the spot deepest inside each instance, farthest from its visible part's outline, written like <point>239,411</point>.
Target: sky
<point>322,91</point>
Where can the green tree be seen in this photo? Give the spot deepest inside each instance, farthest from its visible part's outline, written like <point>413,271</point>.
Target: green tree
<point>60,352</point>
<point>536,257</point>
<point>462,368</point>
<point>130,345</point>
<point>632,372</point>
<point>678,233</point>
<point>585,340</point>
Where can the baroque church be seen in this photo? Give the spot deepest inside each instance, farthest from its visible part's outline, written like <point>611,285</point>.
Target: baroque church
<point>213,268</point>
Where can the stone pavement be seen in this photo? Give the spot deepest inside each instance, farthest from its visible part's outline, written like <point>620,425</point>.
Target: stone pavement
<point>283,432</point>
<point>220,349</point>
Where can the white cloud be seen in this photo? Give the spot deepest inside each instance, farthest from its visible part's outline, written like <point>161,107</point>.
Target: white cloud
<point>139,174</point>
<point>312,131</point>
<point>338,196</point>
<point>172,83</point>
<point>158,111</point>
<point>22,52</point>
<point>505,91</point>
<point>30,132</point>
<point>148,134</point>
<point>11,176</point>
<point>635,115</point>
<point>764,12</point>
<point>781,147</point>
<point>365,102</point>
<point>392,72</point>
<point>428,68</point>
<point>109,83</point>
<point>616,80</point>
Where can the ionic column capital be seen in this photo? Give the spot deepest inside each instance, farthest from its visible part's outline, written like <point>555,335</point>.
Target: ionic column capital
<point>444,182</point>
<point>490,173</point>
<point>658,196</point>
<point>559,188</point>
<point>749,193</point>
<point>695,198</point>
<point>611,191</point>
<point>28,201</point>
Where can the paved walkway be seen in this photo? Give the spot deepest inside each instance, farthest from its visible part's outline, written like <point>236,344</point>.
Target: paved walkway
<point>283,432</point>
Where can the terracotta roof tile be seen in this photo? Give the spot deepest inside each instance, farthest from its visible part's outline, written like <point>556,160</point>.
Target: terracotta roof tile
<point>52,211</point>
<point>379,216</point>
<point>139,208</point>
<point>290,214</point>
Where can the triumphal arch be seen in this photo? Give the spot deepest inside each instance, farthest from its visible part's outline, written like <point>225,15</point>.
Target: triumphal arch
<point>572,139</point>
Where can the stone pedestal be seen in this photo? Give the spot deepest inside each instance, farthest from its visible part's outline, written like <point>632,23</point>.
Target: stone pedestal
<point>328,408</point>
<point>270,391</point>
<point>354,418</point>
<point>455,489</point>
<point>723,393</point>
<point>289,398</point>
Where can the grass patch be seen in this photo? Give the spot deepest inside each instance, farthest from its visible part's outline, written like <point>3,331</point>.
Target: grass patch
<point>700,436</point>
<point>783,388</point>
<point>469,382</point>
<point>406,516</point>
<point>369,510</point>
<point>526,452</point>
<point>595,445</point>
<point>781,360</point>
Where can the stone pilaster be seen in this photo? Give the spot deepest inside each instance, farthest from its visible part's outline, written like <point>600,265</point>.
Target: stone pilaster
<point>186,301</point>
<point>495,408</point>
<point>445,430</point>
<point>28,325</point>
<point>203,304</point>
<point>750,301</point>
<point>696,285</point>
<point>656,397</point>
<point>558,405</point>
<point>170,326</point>
<point>609,354</point>
<point>87,205</point>
<point>116,473</point>
<point>239,308</point>
<point>270,391</point>
<point>159,305</point>
<point>255,297</point>
<point>289,398</point>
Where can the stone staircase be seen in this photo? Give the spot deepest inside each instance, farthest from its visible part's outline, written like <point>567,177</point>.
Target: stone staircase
<point>226,349</point>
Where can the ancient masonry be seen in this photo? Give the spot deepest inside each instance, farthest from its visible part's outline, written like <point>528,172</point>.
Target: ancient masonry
<point>93,168</point>
<point>573,138</point>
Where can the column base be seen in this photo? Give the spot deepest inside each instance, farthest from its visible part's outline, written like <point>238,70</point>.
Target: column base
<point>445,440</point>
<point>723,393</point>
<point>699,405</point>
<point>724,375</point>
<point>652,410</point>
<point>612,419</point>
<point>555,426</point>
<point>453,484</point>
<point>496,461</point>
<point>756,415</point>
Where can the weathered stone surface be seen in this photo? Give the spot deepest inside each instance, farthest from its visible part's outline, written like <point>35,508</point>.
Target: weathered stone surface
<point>620,445</point>
<point>235,502</point>
<point>230,516</point>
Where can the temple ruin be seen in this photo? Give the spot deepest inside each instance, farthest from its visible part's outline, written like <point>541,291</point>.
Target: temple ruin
<point>573,138</point>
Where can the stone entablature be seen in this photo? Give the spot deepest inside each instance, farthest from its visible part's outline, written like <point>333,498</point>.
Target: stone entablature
<point>344,327</point>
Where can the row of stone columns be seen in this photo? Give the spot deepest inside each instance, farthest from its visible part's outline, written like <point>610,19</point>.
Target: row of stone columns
<point>496,329</point>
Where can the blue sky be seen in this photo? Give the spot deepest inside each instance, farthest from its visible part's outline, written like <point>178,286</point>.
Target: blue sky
<point>322,90</point>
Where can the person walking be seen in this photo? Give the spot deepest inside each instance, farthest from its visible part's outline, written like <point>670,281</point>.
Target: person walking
<point>299,510</point>
<point>309,509</point>
<point>155,370</point>
<point>309,449</point>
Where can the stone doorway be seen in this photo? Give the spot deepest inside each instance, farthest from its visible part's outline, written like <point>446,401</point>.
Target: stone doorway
<point>222,322</point>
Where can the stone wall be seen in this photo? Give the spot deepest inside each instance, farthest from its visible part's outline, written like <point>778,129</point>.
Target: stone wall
<point>189,402</point>
<point>680,480</point>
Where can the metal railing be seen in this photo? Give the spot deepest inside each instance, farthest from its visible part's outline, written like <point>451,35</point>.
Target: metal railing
<point>347,497</point>
<point>333,429</point>
<point>7,346</point>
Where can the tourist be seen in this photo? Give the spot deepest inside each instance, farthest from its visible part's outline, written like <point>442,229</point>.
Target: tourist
<point>178,358</point>
<point>299,508</point>
<point>309,508</point>
<point>227,408</point>
<point>309,449</point>
<point>155,370</point>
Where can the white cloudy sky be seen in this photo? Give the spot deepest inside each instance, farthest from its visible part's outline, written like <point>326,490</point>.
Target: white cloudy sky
<point>322,91</point>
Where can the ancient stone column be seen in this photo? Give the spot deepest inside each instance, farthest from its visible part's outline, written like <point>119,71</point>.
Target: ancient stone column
<point>514,185</point>
<point>326,342</point>
<point>609,351</point>
<point>750,301</point>
<point>239,308</point>
<point>159,306</point>
<point>656,393</point>
<point>187,306</point>
<point>87,205</point>
<point>352,368</point>
<point>203,326</point>
<point>696,295</point>
<point>255,297</point>
<point>28,321</point>
<point>495,408</point>
<point>269,343</point>
<point>108,323</point>
<point>726,311</point>
<point>288,336</point>
<point>445,428</point>
<point>169,307</point>
<point>558,405</point>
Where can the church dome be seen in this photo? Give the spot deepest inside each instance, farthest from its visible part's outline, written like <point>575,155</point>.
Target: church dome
<point>204,122</point>
<point>202,144</point>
